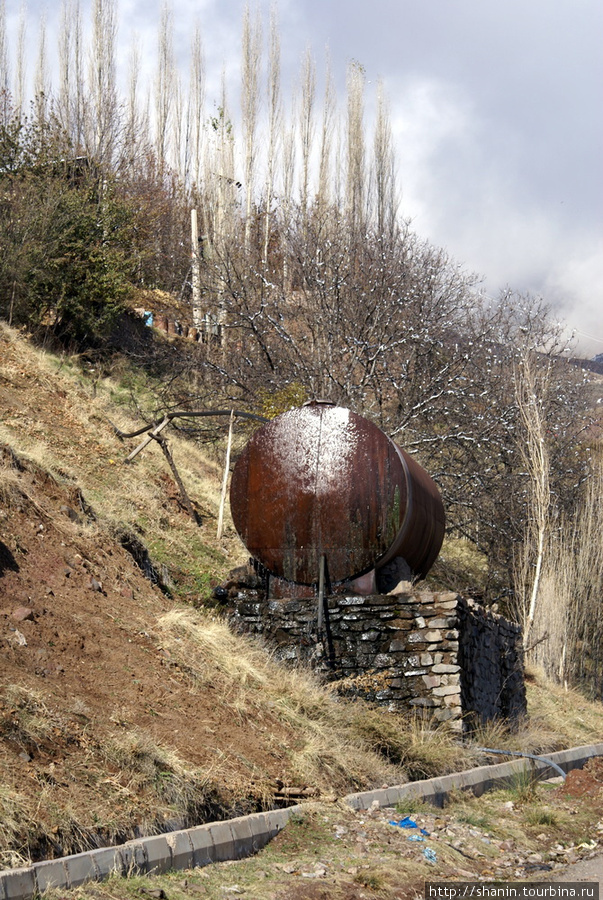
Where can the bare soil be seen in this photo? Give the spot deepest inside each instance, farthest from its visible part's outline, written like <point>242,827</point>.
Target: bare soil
<point>586,782</point>
<point>78,655</point>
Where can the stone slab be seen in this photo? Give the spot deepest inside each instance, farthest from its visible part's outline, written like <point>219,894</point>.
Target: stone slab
<point>133,858</point>
<point>158,854</point>
<point>18,883</point>
<point>278,818</point>
<point>223,841</point>
<point>203,846</point>
<point>49,874</point>
<point>106,861</point>
<point>243,835</point>
<point>181,848</point>
<point>80,868</point>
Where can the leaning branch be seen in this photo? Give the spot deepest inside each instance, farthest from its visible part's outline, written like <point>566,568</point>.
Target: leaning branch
<point>183,414</point>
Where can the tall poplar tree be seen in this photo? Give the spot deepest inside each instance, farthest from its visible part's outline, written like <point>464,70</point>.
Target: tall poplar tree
<point>103,115</point>
<point>274,121</point>
<point>252,55</point>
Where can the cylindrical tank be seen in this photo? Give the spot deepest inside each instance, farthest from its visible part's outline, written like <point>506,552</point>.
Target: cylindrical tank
<point>322,480</point>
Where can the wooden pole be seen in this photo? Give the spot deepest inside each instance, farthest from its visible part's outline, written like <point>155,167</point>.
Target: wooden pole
<point>225,477</point>
<point>197,314</point>
<point>147,440</point>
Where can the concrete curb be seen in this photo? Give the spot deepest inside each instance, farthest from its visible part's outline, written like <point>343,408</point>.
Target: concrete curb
<point>244,836</point>
<point>483,778</point>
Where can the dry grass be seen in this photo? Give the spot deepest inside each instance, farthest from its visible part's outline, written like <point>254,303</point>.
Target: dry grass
<point>558,717</point>
<point>142,766</point>
<point>567,634</point>
<point>341,743</point>
<point>71,437</point>
<point>131,783</point>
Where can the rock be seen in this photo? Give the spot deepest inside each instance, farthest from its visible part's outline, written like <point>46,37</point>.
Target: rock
<point>23,614</point>
<point>70,513</point>
<point>94,584</point>
<point>433,635</point>
<point>19,638</point>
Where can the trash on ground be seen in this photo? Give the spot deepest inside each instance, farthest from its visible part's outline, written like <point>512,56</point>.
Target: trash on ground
<point>406,822</point>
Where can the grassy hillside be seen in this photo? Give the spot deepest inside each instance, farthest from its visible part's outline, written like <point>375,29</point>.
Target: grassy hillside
<point>125,707</point>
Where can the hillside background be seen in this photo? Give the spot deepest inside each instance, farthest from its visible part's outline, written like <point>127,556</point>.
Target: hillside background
<point>126,700</point>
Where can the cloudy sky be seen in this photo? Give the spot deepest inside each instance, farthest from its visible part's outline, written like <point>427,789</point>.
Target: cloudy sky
<point>497,110</point>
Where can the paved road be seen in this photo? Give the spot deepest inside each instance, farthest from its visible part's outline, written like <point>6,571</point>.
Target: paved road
<point>585,870</point>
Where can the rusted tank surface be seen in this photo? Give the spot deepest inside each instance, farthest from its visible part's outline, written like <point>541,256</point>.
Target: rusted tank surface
<point>323,481</point>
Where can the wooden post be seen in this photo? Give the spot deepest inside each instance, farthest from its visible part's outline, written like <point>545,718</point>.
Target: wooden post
<point>197,315</point>
<point>225,477</point>
<point>147,440</point>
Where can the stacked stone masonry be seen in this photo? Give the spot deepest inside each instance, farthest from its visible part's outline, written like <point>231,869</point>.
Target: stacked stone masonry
<point>437,653</point>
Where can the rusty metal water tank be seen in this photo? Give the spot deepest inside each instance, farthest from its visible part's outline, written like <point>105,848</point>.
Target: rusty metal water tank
<point>322,480</point>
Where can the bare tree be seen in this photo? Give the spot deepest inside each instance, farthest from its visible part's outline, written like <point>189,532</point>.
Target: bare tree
<point>70,99</point>
<point>4,67</point>
<point>103,116</point>
<point>78,81</point>
<point>355,169</point>
<point>197,95</point>
<point>385,192</point>
<point>306,125</point>
<point>288,180</point>
<point>274,119</point>
<point>21,71</point>
<point>567,630</point>
<point>164,84</point>
<point>252,54</point>
<point>182,128</point>
<point>133,123</point>
<point>42,78</point>
<point>530,393</point>
<point>64,99</point>
<point>326,140</point>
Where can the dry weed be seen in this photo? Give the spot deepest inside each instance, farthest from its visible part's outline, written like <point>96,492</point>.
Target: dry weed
<point>341,742</point>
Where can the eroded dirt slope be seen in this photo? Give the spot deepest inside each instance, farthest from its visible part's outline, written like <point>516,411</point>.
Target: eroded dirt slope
<point>103,729</point>
<point>91,704</point>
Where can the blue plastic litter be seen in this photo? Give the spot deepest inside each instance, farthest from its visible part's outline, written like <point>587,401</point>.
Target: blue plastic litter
<point>429,854</point>
<point>406,822</point>
<point>422,830</point>
<point>415,837</point>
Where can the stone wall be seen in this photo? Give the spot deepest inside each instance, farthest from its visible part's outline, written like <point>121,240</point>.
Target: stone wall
<point>437,653</point>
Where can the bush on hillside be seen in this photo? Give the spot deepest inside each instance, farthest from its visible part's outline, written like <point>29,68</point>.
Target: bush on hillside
<point>65,234</point>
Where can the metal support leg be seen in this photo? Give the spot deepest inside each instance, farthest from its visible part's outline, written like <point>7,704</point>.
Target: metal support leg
<point>321,593</point>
